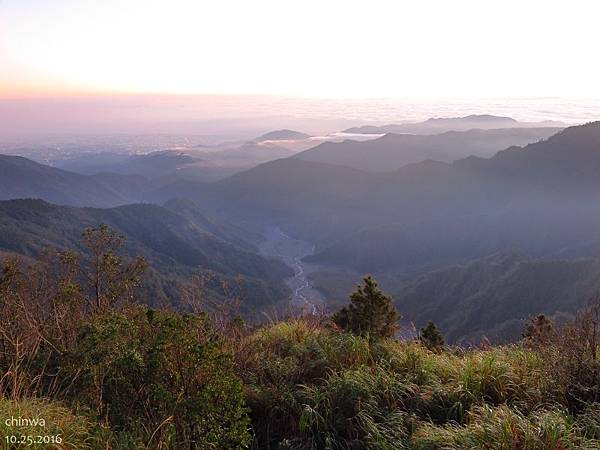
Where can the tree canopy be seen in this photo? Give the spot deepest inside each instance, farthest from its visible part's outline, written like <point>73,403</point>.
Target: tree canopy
<point>370,312</point>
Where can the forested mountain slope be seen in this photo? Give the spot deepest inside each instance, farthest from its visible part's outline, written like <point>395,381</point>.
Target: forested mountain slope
<point>176,247</point>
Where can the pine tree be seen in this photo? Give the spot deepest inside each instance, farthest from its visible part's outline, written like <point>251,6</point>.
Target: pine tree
<point>370,313</point>
<point>431,337</point>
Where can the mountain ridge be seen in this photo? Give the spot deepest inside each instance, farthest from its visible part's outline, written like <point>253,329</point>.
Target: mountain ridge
<point>441,124</point>
<point>392,151</point>
<point>21,178</point>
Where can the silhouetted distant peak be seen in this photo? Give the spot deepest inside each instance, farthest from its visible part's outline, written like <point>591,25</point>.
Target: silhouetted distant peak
<point>483,118</point>
<point>282,135</point>
<point>436,125</point>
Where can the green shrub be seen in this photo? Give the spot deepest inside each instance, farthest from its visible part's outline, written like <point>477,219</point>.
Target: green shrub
<point>160,375</point>
<point>431,337</point>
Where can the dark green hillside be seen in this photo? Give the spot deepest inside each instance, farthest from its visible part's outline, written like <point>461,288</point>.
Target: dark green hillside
<point>492,296</point>
<point>489,296</point>
<point>235,234</point>
<point>175,246</point>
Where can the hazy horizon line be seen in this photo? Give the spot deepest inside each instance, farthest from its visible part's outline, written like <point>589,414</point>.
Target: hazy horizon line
<point>39,95</point>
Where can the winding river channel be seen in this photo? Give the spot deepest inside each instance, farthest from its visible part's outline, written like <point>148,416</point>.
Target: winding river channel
<point>278,244</point>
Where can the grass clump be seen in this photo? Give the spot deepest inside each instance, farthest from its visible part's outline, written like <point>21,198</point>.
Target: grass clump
<point>361,408</point>
<point>320,388</point>
<point>506,428</point>
<point>46,418</point>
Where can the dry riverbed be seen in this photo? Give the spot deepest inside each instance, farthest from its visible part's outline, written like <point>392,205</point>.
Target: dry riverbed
<point>278,244</point>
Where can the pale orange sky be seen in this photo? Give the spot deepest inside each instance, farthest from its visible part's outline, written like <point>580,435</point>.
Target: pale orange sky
<point>332,49</point>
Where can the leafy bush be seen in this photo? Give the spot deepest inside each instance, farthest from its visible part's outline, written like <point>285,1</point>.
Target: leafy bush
<point>161,374</point>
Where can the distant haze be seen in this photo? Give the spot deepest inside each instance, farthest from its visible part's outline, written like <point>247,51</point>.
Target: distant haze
<point>245,117</point>
<point>238,69</point>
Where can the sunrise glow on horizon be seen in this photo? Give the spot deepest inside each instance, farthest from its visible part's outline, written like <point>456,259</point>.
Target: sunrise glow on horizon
<point>333,49</point>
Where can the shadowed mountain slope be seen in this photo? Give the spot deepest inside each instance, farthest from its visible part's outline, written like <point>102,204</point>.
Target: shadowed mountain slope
<point>393,151</point>
<point>23,178</point>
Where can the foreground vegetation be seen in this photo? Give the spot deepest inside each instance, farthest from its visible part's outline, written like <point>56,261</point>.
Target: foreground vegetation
<point>79,350</point>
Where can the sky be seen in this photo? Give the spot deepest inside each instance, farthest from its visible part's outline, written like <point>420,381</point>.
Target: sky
<point>312,49</point>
